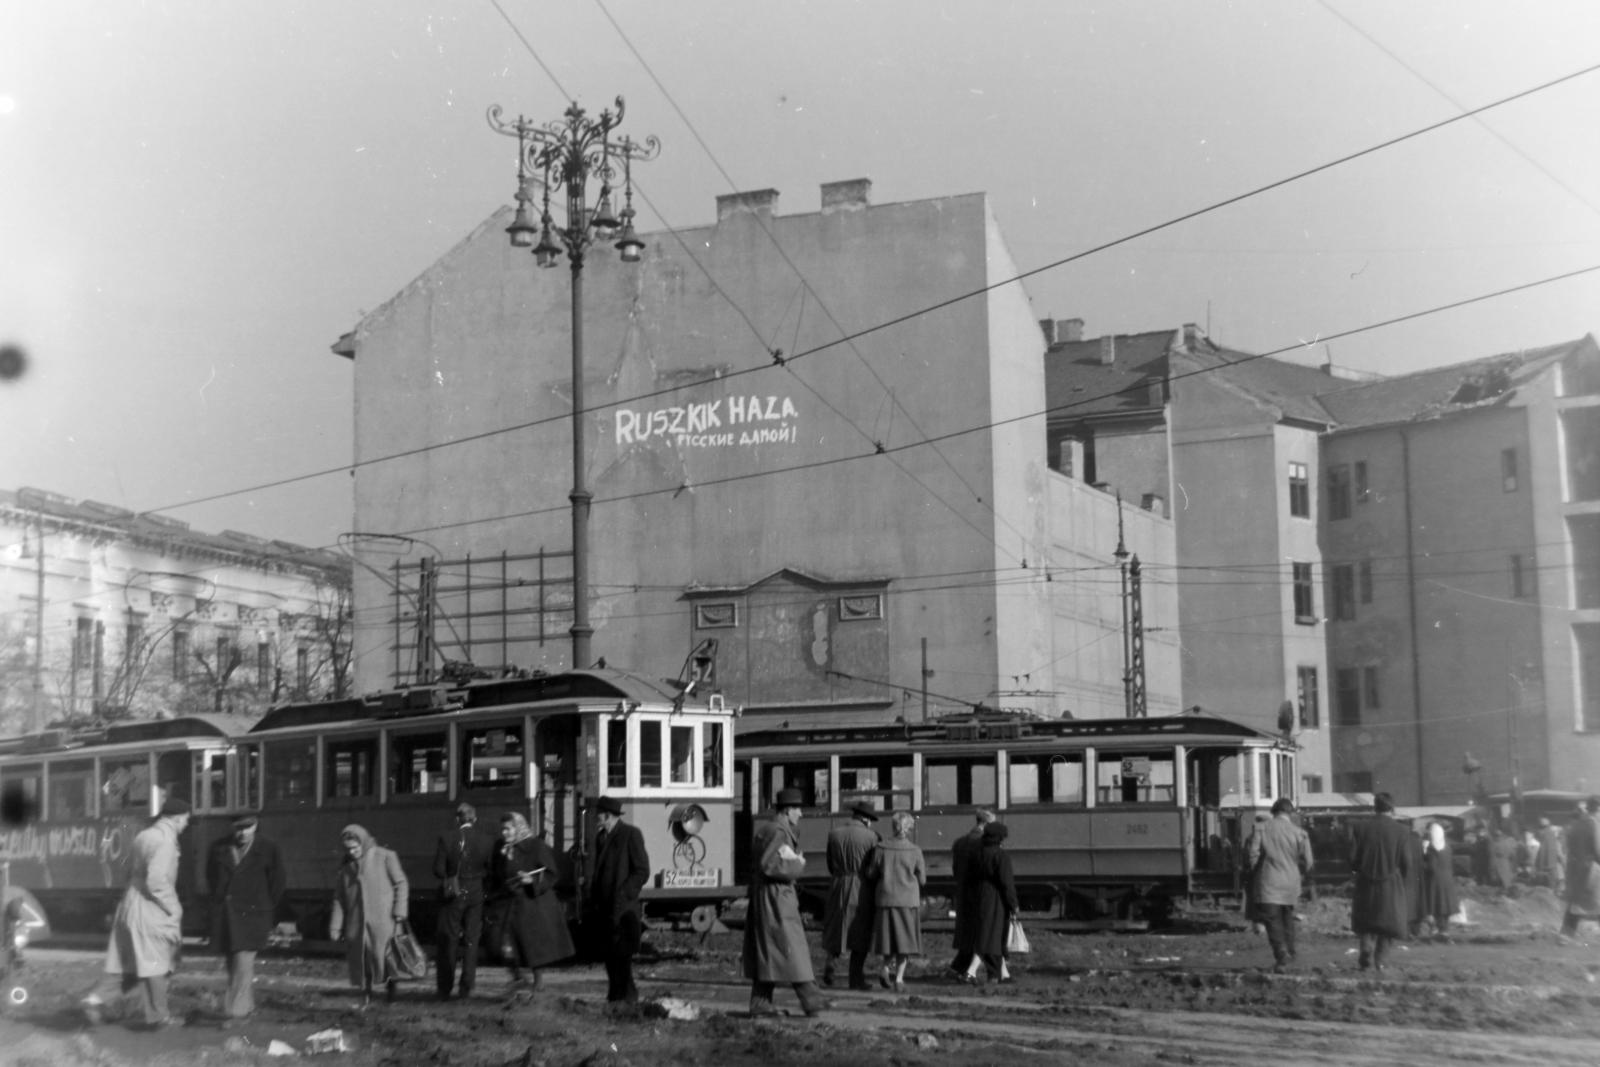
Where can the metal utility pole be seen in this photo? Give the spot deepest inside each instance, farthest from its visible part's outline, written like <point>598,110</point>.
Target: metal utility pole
<point>38,622</point>
<point>1137,705</point>
<point>1121,556</point>
<point>567,152</point>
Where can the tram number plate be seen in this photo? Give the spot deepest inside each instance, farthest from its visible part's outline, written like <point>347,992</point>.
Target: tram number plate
<point>1138,828</point>
<point>691,879</point>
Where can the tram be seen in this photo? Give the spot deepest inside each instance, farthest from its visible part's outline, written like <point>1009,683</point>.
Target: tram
<point>1111,820</point>
<point>395,762</point>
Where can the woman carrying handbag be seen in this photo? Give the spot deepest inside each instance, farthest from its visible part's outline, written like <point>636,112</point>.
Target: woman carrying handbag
<point>994,888</point>
<point>371,898</point>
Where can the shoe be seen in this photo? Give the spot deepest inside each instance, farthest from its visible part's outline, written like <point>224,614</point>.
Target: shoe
<point>391,993</point>
<point>861,986</point>
<point>465,992</point>
<point>761,1006</point>
<point>884,979</point>
<point>816,1007</point>
<point>827,974</point>
<point>899,985</point>
<point>93,1012</point>
<point>966,978</point>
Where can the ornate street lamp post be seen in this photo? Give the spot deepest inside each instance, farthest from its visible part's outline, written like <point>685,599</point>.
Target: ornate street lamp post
<point>566,153</point>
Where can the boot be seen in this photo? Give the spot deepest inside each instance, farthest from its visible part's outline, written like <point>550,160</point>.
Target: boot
<point>811,1001</point>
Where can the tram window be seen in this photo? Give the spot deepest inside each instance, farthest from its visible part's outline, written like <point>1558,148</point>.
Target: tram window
<point>882,781</point>
<point>649,754</point>
<point>712,755</point>
<point>494,757</point>
<point>211,779</point>
<point>682,741</point>
<point>291,778</point>
<point>617,753</point>
<point>419,763</point>
<point>1042,779</point>
<point>125,786</point>
<point>810,777</point>
<point>352,764</point>
<point>1266,775</point>
<point>250,776</point>
<point>958,780</point>
<point>28,781</point>
<point>1135,778</point>
<point>71,792</point>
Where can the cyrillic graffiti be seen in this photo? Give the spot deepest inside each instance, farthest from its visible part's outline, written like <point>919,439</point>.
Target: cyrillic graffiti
<point>696,425</point>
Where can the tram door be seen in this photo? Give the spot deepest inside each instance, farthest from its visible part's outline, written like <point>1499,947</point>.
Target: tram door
<point>1212,839</point>
<point>555,799</point>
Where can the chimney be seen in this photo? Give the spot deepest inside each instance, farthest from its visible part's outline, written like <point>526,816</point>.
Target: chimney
<point>851,195</point>
<point>1049,328</point>
<point>762,202</point>
<point>1108,350</point>
<point>1069,330</point>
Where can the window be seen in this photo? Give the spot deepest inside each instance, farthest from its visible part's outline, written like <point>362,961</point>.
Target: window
<point>649,754</point>
<point>1521,585</point>
<point>1344,591</point>
<point>1299,491</point>
<point>1310,702</point>
<point>83,645</point>
<point>250,776</point>
<point>948,780</point>
<point>1369,688</point>
<point>180,654</point>
<point>1134,778</point>
<point>302,671</point>
<point>29,782</point>
<point>1364,581</point>
<point>1265,761</point>
<point>808,776</point>
<point>680,740</point>
<point>133,638</point>
<point>419,763</point>
<point>713,754</point>
<point>492,757</point>
<point>1363,490</point>
<point>1508,470</point>
<point>352,766</point>
<point>860,606</point>
<point>1339,492</point>
<point>125,786</point>
<point>263,665</point>
<point>224,655</point>
<point>1311,783</point>
<point>884,782</point>
<point>717,616</point>
<point>1305,607</point>
<point>211,780</point>
<point>1055,779</point>
<point>71,790</point>
<point>98,658</point>
<point>291,773</point>
<point>1347,697</point>
<point>616,753</point>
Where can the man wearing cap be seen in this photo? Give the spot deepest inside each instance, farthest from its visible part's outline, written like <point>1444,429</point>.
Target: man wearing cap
<point>1280,856</point>
<point>774,938</point>
<point>461,859</point>
<point>147,929</point>
<point>1380,858</point>
<point>618,868</point>
<point>848,923</point>
<point>246,877</point>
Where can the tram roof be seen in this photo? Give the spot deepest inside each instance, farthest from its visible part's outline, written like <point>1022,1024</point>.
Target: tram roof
<point>601,683</point>
<point>1177,729</point>
<point>202,726</point>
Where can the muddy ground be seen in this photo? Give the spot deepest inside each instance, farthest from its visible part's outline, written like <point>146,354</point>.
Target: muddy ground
<point>1504,990</point>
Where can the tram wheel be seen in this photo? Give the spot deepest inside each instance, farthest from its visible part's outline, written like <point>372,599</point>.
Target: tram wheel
<point>703,918</point>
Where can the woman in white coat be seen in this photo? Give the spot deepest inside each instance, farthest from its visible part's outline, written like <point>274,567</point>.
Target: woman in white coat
<point>371,897</point>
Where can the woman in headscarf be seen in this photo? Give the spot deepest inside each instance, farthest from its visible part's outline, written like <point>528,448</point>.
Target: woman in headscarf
<point>1438,880</point>
<point>991,884</point>
<point>524,872</point>
<point>897,873</point>
<point>370,897</point>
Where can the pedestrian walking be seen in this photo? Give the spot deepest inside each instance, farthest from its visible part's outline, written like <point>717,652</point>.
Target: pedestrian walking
<point>897,872</point>
<point>147,930</point>
<point>1279,856</point>
<point>1549,866</point>
<point>524,872</point>
<point>1439,881</point>
<point>619,866</point>
<point>1502,858</point>
<point>994,892</point>
<point>461,859</point>
<point>246,876</point>
<point>1583,867</point>
<point>775,947</point>
<point>370,898</point>
<point>1380,859</point>
<point>963,854</point>
<point>847,926</point>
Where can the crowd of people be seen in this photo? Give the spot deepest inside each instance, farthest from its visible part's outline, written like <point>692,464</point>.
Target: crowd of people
<point>1404,883</point>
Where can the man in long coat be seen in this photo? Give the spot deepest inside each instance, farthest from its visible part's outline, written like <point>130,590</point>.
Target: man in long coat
<point>148,928</point>
<point>246,877</point>
<point>1380,858</point>
<point>461,860</point>
<point>963,854</point>
<point>848,924</point>
<point>1583,867</point>
<point>619,866</point>
<point>1280,856</point>
<point>774,938</point>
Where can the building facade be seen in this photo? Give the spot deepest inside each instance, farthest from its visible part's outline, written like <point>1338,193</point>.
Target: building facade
<point>109,615</point>
<point>789,453</point>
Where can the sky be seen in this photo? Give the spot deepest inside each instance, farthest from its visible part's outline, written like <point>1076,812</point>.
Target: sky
<point>197,199</point>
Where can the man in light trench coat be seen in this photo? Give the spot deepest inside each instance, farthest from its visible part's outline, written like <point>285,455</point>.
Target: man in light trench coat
<point>775,947</point>
<point>1280,855</point>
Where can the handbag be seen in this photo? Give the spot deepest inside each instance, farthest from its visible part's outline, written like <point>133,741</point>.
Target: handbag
<point>404,958</point>
<point>1016,938</point>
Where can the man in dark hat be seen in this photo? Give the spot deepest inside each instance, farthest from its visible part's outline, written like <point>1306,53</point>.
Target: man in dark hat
<point>246,877</point>
<point>461,860</point>
<point>148,927</point>
<point>619,866</point>
<point>1380,858</point>
<point>774,937</point>
<point>848,920</point>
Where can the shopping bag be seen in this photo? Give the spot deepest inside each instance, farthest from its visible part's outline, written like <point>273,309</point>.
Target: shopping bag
<point>1016,939</point>
<point>404,957</point>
